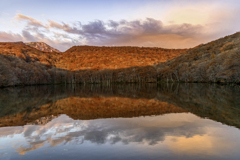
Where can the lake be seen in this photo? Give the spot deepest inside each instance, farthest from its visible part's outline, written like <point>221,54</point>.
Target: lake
<point>130,122</point>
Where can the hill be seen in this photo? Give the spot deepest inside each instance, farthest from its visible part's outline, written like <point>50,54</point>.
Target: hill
<point>217,61</point>
<point>98,58</point>
<point>24,65</point>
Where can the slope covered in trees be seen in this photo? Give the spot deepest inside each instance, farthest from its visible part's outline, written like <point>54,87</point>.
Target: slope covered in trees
<point>24,65</point>
<point>217,61</point>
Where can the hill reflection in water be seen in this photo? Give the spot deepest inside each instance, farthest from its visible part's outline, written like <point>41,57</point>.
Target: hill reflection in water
<point>22,105</point>
<point>120,122</point>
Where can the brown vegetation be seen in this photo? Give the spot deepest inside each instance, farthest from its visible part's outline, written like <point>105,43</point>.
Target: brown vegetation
<point>217,61</point>
<point>99,58</point>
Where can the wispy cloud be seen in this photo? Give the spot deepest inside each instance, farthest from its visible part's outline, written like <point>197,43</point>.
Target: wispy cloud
<point>30,20</point>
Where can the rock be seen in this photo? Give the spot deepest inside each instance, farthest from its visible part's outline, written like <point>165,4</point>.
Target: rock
<point>42,46</point>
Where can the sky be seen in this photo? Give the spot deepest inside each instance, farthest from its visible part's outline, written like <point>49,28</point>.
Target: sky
<point>148,23</point>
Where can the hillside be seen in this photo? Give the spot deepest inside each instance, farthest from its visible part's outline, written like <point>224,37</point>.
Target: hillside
<point>42,46</point>
<point>24,65</point>
<point>96,58</point>
<point>217,61</point>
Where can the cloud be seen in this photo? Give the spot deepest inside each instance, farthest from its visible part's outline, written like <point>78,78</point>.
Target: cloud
<point>147,27</point>
<point>148,32</point>
<point>28,36</point>
<point>31,21</point>
<point>10,37</point>
<point>63,26</point>
<point>128,32</point>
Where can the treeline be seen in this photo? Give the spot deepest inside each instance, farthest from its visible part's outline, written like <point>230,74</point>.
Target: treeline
<point>14,71</point>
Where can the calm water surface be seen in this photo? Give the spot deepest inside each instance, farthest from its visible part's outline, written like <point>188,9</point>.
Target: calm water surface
<point>174,121</point>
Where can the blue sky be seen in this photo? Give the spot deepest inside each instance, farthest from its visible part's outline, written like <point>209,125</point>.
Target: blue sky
<point>154,23</point>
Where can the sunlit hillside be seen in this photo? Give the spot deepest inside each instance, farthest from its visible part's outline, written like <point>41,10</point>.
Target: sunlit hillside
<point>95,58</point>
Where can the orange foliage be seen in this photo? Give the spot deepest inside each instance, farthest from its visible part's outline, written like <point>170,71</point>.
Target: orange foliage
<point>96,58</point>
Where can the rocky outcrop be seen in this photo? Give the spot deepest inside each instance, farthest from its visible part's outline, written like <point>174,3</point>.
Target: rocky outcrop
<point>42,120</point>
<point>42,47</point>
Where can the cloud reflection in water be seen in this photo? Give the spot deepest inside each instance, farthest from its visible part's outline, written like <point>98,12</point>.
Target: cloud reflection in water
<point>182,133</point>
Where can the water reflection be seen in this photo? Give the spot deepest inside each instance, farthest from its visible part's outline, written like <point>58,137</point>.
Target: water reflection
<point>22,105</point>
<point>179,134</point>
<point>120,122</point>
